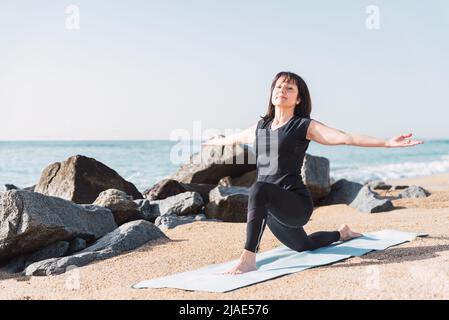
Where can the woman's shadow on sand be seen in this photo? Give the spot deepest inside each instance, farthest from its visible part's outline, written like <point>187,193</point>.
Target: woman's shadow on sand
<point>395,255</point>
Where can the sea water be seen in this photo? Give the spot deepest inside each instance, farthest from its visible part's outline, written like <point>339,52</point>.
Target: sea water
<point>144,163</point>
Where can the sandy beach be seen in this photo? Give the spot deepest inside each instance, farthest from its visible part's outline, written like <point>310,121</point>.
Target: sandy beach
<point>413,270</point>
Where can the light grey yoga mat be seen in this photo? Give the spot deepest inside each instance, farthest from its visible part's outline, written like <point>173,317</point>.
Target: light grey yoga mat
<point>277,262</point>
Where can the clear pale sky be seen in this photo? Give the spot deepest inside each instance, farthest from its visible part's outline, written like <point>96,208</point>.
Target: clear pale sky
<point>141,69</point>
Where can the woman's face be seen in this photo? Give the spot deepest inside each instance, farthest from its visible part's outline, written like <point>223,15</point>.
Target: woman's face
<point>285,94</point>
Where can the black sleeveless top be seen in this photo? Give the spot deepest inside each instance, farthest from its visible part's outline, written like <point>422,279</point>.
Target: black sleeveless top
<point>280,153</point>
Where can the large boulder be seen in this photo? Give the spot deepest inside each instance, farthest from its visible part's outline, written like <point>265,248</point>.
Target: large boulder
<point>358,196</point>
<point>168,188</point>
<point>76,245</point>
<point>368,202</point>
<point>216,162</point>
<point>8,187</point>
<point>229,204</point>
<point>414,192</point>
<point>398,187</point>
<point>172,220</point>
<point>342,192</point>
<point>164,189</point>
<point>122,206</point>
<point>315,174</point>
<point>81,179</point>
<point>30,221</point>
<point>149,211</point>
<point>378,185</point>
<point>202,188</point>
<point>181,204</point>
<point>55,250</point>
<point>30,188</point>
<point>128,236</point>
<point>245,180</point>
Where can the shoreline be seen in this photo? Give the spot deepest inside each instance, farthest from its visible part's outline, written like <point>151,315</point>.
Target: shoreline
<point>435,182</point>
<point>413,270</point>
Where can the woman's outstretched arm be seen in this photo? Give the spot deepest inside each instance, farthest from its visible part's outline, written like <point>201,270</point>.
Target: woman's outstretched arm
<point>246,136</point>
<point>326,135</point>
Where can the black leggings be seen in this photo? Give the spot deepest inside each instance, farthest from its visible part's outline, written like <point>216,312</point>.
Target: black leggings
<point>285,212</point>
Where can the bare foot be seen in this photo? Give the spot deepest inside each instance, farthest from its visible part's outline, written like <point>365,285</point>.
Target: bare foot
<point>347,234</point>
<point>246,263</point>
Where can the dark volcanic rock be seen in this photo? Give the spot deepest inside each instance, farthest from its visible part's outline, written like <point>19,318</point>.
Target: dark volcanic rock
<point>81,179</point>
<point>30,221</point>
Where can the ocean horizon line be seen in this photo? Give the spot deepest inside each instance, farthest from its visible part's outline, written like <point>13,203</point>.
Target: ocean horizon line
<point>100,140</point>
<point>142,140</point>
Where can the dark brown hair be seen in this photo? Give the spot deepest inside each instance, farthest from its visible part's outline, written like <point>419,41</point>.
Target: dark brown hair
<point>304,108</point>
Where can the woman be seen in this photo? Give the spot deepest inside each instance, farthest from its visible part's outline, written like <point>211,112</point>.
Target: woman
<point>279,198</point>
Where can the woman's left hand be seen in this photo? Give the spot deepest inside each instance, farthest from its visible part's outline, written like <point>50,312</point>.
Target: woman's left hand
<point>402,141</point>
